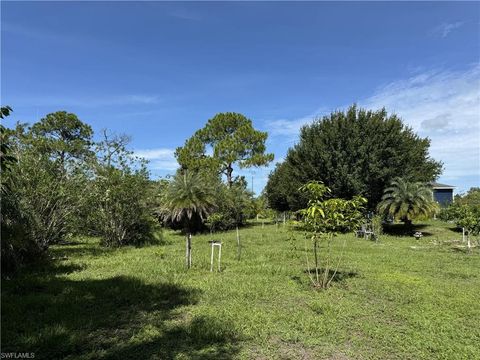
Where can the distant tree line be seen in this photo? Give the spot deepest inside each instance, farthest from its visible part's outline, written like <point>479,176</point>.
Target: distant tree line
<point>57,182</point>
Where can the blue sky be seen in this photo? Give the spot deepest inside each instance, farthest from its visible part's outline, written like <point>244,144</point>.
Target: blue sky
<point>158,71</point>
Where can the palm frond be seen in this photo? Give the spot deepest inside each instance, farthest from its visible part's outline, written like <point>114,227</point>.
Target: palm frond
<point>407,200</point>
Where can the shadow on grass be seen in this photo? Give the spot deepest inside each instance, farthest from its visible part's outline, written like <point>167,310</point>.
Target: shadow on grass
<point>115,318</point>
<point>66,251</point>
<point>462,248</point>
<point>403,230</point>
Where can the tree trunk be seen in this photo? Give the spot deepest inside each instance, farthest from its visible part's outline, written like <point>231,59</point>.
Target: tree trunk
<point>408,223</point>
<point>316,260</point>
<point>228,172</point>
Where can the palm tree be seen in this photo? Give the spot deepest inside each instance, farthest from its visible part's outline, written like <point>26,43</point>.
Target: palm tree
<point>188,198</point>
<point>407,200</point>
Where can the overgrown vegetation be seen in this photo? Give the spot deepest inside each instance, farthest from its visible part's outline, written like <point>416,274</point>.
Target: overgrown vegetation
<point>58,183</point>
<point>119,195</point>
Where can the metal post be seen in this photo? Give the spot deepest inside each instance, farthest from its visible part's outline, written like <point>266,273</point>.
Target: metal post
<point>211,257</point>
<point>219,256</point>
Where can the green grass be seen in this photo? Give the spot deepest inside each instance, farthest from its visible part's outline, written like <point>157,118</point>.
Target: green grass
<point>398,299</point>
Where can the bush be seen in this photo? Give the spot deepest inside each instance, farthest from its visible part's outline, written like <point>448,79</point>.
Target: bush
<point>18,247</point>
<point>119,197</point>
<point>121,216</point>
<point>464,216</point>
<point>235,205</point>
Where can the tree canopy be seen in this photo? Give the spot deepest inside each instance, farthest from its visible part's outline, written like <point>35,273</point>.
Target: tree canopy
<point>232,140</point>
<point>353,152</point>
<point>62,136</point>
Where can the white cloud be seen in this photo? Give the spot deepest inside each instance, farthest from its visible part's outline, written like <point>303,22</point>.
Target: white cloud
<point>291,128</point>
<point>446,28</point>
<point>159,159</point>
<point>441,105</point>
<point>444,106</point>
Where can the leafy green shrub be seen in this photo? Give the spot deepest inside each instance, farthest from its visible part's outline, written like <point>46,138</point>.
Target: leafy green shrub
<point>119,197</point>
<point>18,247</point>
<point>235,205</point>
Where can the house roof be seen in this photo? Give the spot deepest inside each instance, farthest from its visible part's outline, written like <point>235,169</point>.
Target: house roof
<point>436,185</point>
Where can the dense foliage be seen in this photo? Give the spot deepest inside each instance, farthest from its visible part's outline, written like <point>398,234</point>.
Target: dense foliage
<point>471,198</point>
<point>17,244</point>
<point>465,211</point>
<point>235,205</point>
<point>119,199</point>
<point>356,152</point>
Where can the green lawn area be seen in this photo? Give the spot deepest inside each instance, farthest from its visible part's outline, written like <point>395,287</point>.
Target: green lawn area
<point>396,299</point>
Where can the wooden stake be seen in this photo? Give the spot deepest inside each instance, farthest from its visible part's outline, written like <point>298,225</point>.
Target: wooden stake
<point>212,247</point>
<point>211,257</point>
<point>219,256</point>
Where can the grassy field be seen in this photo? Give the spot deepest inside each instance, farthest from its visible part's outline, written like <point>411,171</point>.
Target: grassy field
<point>396,299</point>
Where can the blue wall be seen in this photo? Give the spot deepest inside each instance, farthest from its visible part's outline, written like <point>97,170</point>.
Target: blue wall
<point>443,196</point>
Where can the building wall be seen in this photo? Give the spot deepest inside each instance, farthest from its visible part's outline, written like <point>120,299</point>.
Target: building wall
<point>443,196</point>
